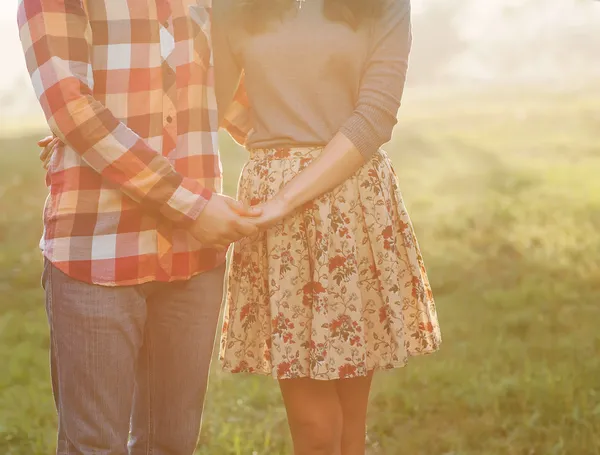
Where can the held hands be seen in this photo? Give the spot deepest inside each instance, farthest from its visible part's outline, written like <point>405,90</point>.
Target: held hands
<point>224,221</point>
<point>271,212</point>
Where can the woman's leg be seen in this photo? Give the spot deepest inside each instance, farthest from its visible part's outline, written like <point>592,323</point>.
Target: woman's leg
<point>314,415</point>
<point>354,399</point>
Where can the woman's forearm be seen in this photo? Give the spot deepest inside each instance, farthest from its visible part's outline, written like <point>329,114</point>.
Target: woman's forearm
<point>338,162</point>
<point>375,114</point>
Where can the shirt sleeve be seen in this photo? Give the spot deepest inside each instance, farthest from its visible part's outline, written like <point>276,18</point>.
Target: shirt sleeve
<point>232,100</point>
<point>382,84</point>
<point>56,40</point>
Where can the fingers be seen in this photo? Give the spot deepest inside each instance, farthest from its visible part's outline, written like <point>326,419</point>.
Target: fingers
<point>237,230</point>
<point>241,229</point>
<point>242,209</point>
<point>233,231</point>
<point>264,223</point>
<point>251,211</point>
<point>246,228</point>
<point>222,225</point>
<point>48,151</point>
<point>45,156</point>
<point>44,142</point>
<point>45,153</point>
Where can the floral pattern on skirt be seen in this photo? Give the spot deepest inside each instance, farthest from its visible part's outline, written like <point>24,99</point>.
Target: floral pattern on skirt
<point>333,291</point>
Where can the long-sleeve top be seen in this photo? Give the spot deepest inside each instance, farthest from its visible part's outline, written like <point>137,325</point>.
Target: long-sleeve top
<point>308,78</point>
<point>128,88</point>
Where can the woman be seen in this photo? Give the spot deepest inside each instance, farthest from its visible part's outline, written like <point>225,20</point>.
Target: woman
<point>334,288</point>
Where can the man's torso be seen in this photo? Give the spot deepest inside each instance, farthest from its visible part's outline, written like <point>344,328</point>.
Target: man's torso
<point>150,65</point>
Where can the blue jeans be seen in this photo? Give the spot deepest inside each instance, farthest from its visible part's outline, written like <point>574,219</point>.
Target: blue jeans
<point>130,364</point>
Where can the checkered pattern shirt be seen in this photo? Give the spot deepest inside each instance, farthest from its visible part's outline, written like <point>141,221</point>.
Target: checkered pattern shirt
<point>127,86</point>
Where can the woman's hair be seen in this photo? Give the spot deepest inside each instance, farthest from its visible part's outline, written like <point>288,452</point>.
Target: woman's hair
<point>255,14</point>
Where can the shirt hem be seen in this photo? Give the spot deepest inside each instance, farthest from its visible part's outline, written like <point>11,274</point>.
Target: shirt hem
<point>135,281</point>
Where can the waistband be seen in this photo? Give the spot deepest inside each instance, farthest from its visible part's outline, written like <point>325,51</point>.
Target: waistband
<point>284,153</point>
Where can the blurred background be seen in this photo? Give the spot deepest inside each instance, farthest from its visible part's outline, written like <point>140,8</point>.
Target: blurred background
<point>498,156</point>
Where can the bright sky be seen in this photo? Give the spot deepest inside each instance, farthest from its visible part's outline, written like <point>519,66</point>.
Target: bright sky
<point>9,42</point>
<point>479,25</point>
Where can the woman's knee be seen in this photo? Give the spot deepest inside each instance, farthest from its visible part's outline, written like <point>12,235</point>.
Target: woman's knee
<point>315,416</point>
<point>319,433</point>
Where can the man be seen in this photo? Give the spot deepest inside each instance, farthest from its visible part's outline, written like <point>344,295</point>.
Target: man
<point>134,231</point>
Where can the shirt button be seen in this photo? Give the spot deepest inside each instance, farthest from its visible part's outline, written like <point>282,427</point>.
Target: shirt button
<point>166,24</point>
<point>169,119</point>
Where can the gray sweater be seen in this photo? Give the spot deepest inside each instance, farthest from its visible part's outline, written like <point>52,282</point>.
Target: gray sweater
<point>308,78</point>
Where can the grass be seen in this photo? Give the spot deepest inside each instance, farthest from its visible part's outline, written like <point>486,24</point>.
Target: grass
<point>505,196</point>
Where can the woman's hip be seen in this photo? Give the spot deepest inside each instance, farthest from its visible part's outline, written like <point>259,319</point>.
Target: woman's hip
<point>269,170</point>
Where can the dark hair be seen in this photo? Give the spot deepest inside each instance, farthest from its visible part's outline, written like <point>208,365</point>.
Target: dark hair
<point>255,14</point>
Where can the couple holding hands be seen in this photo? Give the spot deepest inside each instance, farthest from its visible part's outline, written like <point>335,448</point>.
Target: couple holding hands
<point>326,282</point>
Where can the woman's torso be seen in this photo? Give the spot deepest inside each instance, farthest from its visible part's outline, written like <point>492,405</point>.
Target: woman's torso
<point>302,76</point>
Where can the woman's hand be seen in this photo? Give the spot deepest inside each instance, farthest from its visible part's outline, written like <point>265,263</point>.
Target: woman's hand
<point>273,211</point>
<point>48,145</point>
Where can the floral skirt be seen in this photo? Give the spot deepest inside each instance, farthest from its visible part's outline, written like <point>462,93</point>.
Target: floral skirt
<point>334,291</point>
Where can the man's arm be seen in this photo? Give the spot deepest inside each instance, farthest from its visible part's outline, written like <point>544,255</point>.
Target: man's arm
<point>56,39</point>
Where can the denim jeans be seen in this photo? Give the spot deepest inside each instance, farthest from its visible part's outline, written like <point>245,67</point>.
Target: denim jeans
<point>130,364</point>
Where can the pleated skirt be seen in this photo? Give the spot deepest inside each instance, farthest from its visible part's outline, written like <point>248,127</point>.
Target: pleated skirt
<point>335,290</point>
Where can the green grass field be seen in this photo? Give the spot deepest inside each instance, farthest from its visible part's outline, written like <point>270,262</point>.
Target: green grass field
<point>504,192</point>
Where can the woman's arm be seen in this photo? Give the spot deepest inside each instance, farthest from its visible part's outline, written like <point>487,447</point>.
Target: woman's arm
<point>371,124</point>
<point>338,162</point>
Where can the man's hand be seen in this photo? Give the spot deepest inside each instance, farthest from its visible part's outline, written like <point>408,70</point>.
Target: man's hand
<point>47,145</point>
<point>224,221</point>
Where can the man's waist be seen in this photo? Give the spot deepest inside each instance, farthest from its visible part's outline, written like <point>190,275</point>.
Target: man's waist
<point>113,256</point>
<point>131,270</point>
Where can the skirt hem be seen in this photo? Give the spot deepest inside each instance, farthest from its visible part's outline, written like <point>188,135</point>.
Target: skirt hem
<point>334,377</point>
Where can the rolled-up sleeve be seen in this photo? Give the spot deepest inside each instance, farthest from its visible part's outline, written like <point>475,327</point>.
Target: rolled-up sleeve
<point>382,84</point>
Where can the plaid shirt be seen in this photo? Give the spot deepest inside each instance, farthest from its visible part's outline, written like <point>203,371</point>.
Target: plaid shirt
<point>127,86</point>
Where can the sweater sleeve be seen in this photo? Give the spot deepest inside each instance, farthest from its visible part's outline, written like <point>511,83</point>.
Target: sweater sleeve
<point>227,70</point>
<point>383,80</point>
